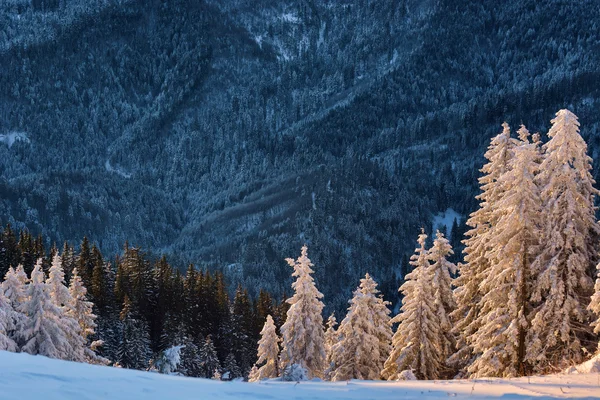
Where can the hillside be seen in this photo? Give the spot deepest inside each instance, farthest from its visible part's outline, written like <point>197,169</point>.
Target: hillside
<point>229,133</point>
<point>55,379</point>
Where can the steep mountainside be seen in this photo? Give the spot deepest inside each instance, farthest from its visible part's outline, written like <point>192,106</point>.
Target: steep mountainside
<point>229,133</point>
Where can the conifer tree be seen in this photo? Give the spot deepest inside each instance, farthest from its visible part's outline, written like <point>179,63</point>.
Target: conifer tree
<point>268,352</point>
<point>365,334</point>
<point>444,302</point>
<point>27,250</point>
<point>504,306</point>
<point>134,348</point>
<point>191,364</point>
<point>264,307</point>
<point>230,368</point>
<point>476,266</point>
<point>84,263</point>
<point>14,286</point>
<point>162,275</point>
<point>68,261</point>
<point>59,293</point>
<point>81,311</point>
<point>242,325</point>
<point>99,292</point>
<point>563,278</point>
<point>331,338</point>
<point>108,329</point>
<point>303,336</point>
<point>415,345</point>
<point>209,360</point>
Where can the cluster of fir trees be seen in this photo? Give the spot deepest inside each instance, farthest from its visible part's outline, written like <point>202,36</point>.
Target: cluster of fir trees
<point>40,315</point>
<point>523,302</point>
<point>140,308</point>
<point>523,294</point>
<point>357,349</point>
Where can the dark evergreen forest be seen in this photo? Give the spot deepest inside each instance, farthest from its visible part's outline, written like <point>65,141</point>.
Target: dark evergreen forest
<point>144,306</point>
<point>229,133</point>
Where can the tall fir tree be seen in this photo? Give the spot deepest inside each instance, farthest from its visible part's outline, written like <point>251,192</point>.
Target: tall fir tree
<point>504,307</point>
<point>331,338</point>
<point>84,262</point>
<point>231,370</point>
<point>191,363</point>
<point>365,334</point>
<point>416,343</point>
<point>27,250</point>
<point>59,293</point>
<point>476,265</point>
<point>134,348</point>
<point>81,311</point>
<point>210,364</point>
<point>441,270</point>
<point>243,325</point>
<point>268,353</point>
<point>563,269</point>
<point>68,261</point>
<point>163,277</point>
<point>302,332</point>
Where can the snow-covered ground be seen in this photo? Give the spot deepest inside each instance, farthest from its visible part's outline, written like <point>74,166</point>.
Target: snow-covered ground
<point>25,377</point>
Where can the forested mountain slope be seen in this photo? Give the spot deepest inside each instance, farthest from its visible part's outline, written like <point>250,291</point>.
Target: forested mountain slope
<point>229,133</point>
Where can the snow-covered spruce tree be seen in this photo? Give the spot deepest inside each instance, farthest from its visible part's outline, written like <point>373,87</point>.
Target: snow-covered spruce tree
<point>210,360</point>
<point>594,306</point>
<point>231,370</point>
<point>365,335</point>
<point>61,297</point>
<point>303,336</point>
<point>7,324</point>
<point>444,302</point>
<point>79,308</point>
<point>47,331</point>
<point>59,293</point>
<point>134,348</point>
<point>14,286</point>
<point>504,307</point>
<point>331,338</point>
<point>81,311</point>
<point>191,364</point>
<point>169,360</point>
<point>268,352</point>
<point>416,343</point>
<point>476,265</point>
<point>563,270</point>
<point>13,289</point>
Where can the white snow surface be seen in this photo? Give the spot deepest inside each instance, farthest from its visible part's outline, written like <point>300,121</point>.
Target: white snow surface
<point>26,377</point>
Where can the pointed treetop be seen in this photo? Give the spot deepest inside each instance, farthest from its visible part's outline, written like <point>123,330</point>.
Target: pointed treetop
<point>523,134</point>
<point>564,118</point>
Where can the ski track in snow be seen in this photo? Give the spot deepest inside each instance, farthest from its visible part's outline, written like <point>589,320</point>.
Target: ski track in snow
<point>26,377</point>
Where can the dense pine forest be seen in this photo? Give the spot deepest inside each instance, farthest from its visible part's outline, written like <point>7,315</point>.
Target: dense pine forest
<point>143,306</point>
